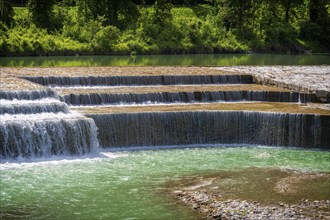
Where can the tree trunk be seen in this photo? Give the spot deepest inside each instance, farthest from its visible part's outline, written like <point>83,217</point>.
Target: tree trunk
<point>240,21</point>
<point>287,10</point>
<point>313,10</point>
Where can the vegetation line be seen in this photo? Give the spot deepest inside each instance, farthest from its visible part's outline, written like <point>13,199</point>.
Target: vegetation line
<point>88,27</point>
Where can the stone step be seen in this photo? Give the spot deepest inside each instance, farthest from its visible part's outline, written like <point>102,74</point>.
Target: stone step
<point>166,88</point>
<point>293,108</point>
<point>187,127</point>
<point>139,80</point>
<point>179,93</point>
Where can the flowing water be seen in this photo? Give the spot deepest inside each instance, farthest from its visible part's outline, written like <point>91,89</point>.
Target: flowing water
<point>51,166</point>
<point>129,185</point>
<point>170,60</point>
<point>205,127</point>
<point>183,97</point>
<point>139,80</point>
<point>37,124</point>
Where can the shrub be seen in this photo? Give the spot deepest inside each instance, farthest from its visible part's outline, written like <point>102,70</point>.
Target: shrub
<point>105,38</point>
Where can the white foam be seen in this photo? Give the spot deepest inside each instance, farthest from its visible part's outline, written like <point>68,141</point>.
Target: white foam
<point>28,102</point>
<point>41,116</point>
<point>22,163</point>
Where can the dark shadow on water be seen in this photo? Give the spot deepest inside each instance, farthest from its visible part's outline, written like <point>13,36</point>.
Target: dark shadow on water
<point>170,60</point>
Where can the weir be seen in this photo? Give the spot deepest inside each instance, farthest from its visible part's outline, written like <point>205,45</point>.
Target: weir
<point>32,106</point>
<point>139,80</point>
<point>183,97</point>
<point>46,134</point>
<point>33,127</point>
<point>212,127</point>
<point>28,94</point>
<point>160,110</point>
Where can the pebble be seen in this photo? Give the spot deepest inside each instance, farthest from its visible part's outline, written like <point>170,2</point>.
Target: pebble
<point>216,208</point>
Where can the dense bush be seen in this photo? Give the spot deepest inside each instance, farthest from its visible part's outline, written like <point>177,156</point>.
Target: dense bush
<point>41,12</point>
<point>6,12</point>
<point>90,27</point>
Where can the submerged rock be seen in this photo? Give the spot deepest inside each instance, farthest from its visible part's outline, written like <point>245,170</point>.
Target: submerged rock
<point>229,202</point>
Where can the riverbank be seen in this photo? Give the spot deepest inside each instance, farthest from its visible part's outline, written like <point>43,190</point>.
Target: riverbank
<point>314,79</point>
<point>256,194</point>
<point>211,205</point>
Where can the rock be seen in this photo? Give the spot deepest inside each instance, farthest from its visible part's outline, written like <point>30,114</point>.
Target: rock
<point>195,206</point>
<point>322,95</point>
<point>237,209</point>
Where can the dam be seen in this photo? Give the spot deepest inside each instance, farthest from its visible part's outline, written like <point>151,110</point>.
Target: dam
<point>70,144</point>
<point>58,114</point>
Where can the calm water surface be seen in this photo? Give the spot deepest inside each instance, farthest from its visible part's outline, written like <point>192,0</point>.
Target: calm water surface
<point>126,185</point>
<point>170,60</point>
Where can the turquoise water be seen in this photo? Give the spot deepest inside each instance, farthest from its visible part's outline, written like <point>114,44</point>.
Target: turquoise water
<point>127,185</point>
<point>170,60</point>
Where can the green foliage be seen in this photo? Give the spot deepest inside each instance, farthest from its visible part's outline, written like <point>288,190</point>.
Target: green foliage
<point>281,37</point>
<point>36,41</point>
<point>118,13</point>
<point>161,12</point>
<point>6,12</point>
<point>317,28</point>
<point>122,27</point>
<point>41,12</point>
<point>22,18</point>
<point>105,38</point>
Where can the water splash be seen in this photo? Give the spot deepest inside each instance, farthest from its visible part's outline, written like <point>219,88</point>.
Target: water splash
<point>28,94</point>
<point>208,127</point>
<point>140,80</point>
<point>37,124</point>
<point>32,106</point>
<point>46,134</point>
<point>182,97</point>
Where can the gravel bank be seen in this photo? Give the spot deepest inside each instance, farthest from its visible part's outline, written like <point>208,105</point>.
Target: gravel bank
<point>315,79</point>
<point>214,207</point>
<point>256,193</point>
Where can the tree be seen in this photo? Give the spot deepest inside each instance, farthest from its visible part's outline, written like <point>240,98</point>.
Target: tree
<point>120,13</point>
<point>289,6</point>
<point>6,12</point>
<point>318,11</point>
<point>317,28</point>
<point>41,12</point>
<point>162,9</point>
<point>235,14</point>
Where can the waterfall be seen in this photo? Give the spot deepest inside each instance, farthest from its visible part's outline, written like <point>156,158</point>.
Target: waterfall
<point>40,125</point>
<point>46,134</point>
<point>208,127</point>
<point>32,106</point>
<point>169,97</point>
<point>140,80</point>
<point>28,94</point>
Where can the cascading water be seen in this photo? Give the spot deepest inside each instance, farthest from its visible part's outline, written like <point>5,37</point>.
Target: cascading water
<point>28,94</point>
<point>169,97</point>
<point>33,127</point>
<point>46,134</point>
<point>32,106</point>
<point>140,80</point>
<point>232,127</point>
<point>36,123</point>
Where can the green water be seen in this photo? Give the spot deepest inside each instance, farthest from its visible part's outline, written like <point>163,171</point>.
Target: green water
<point>170,60</point>
<point>127,185</point>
